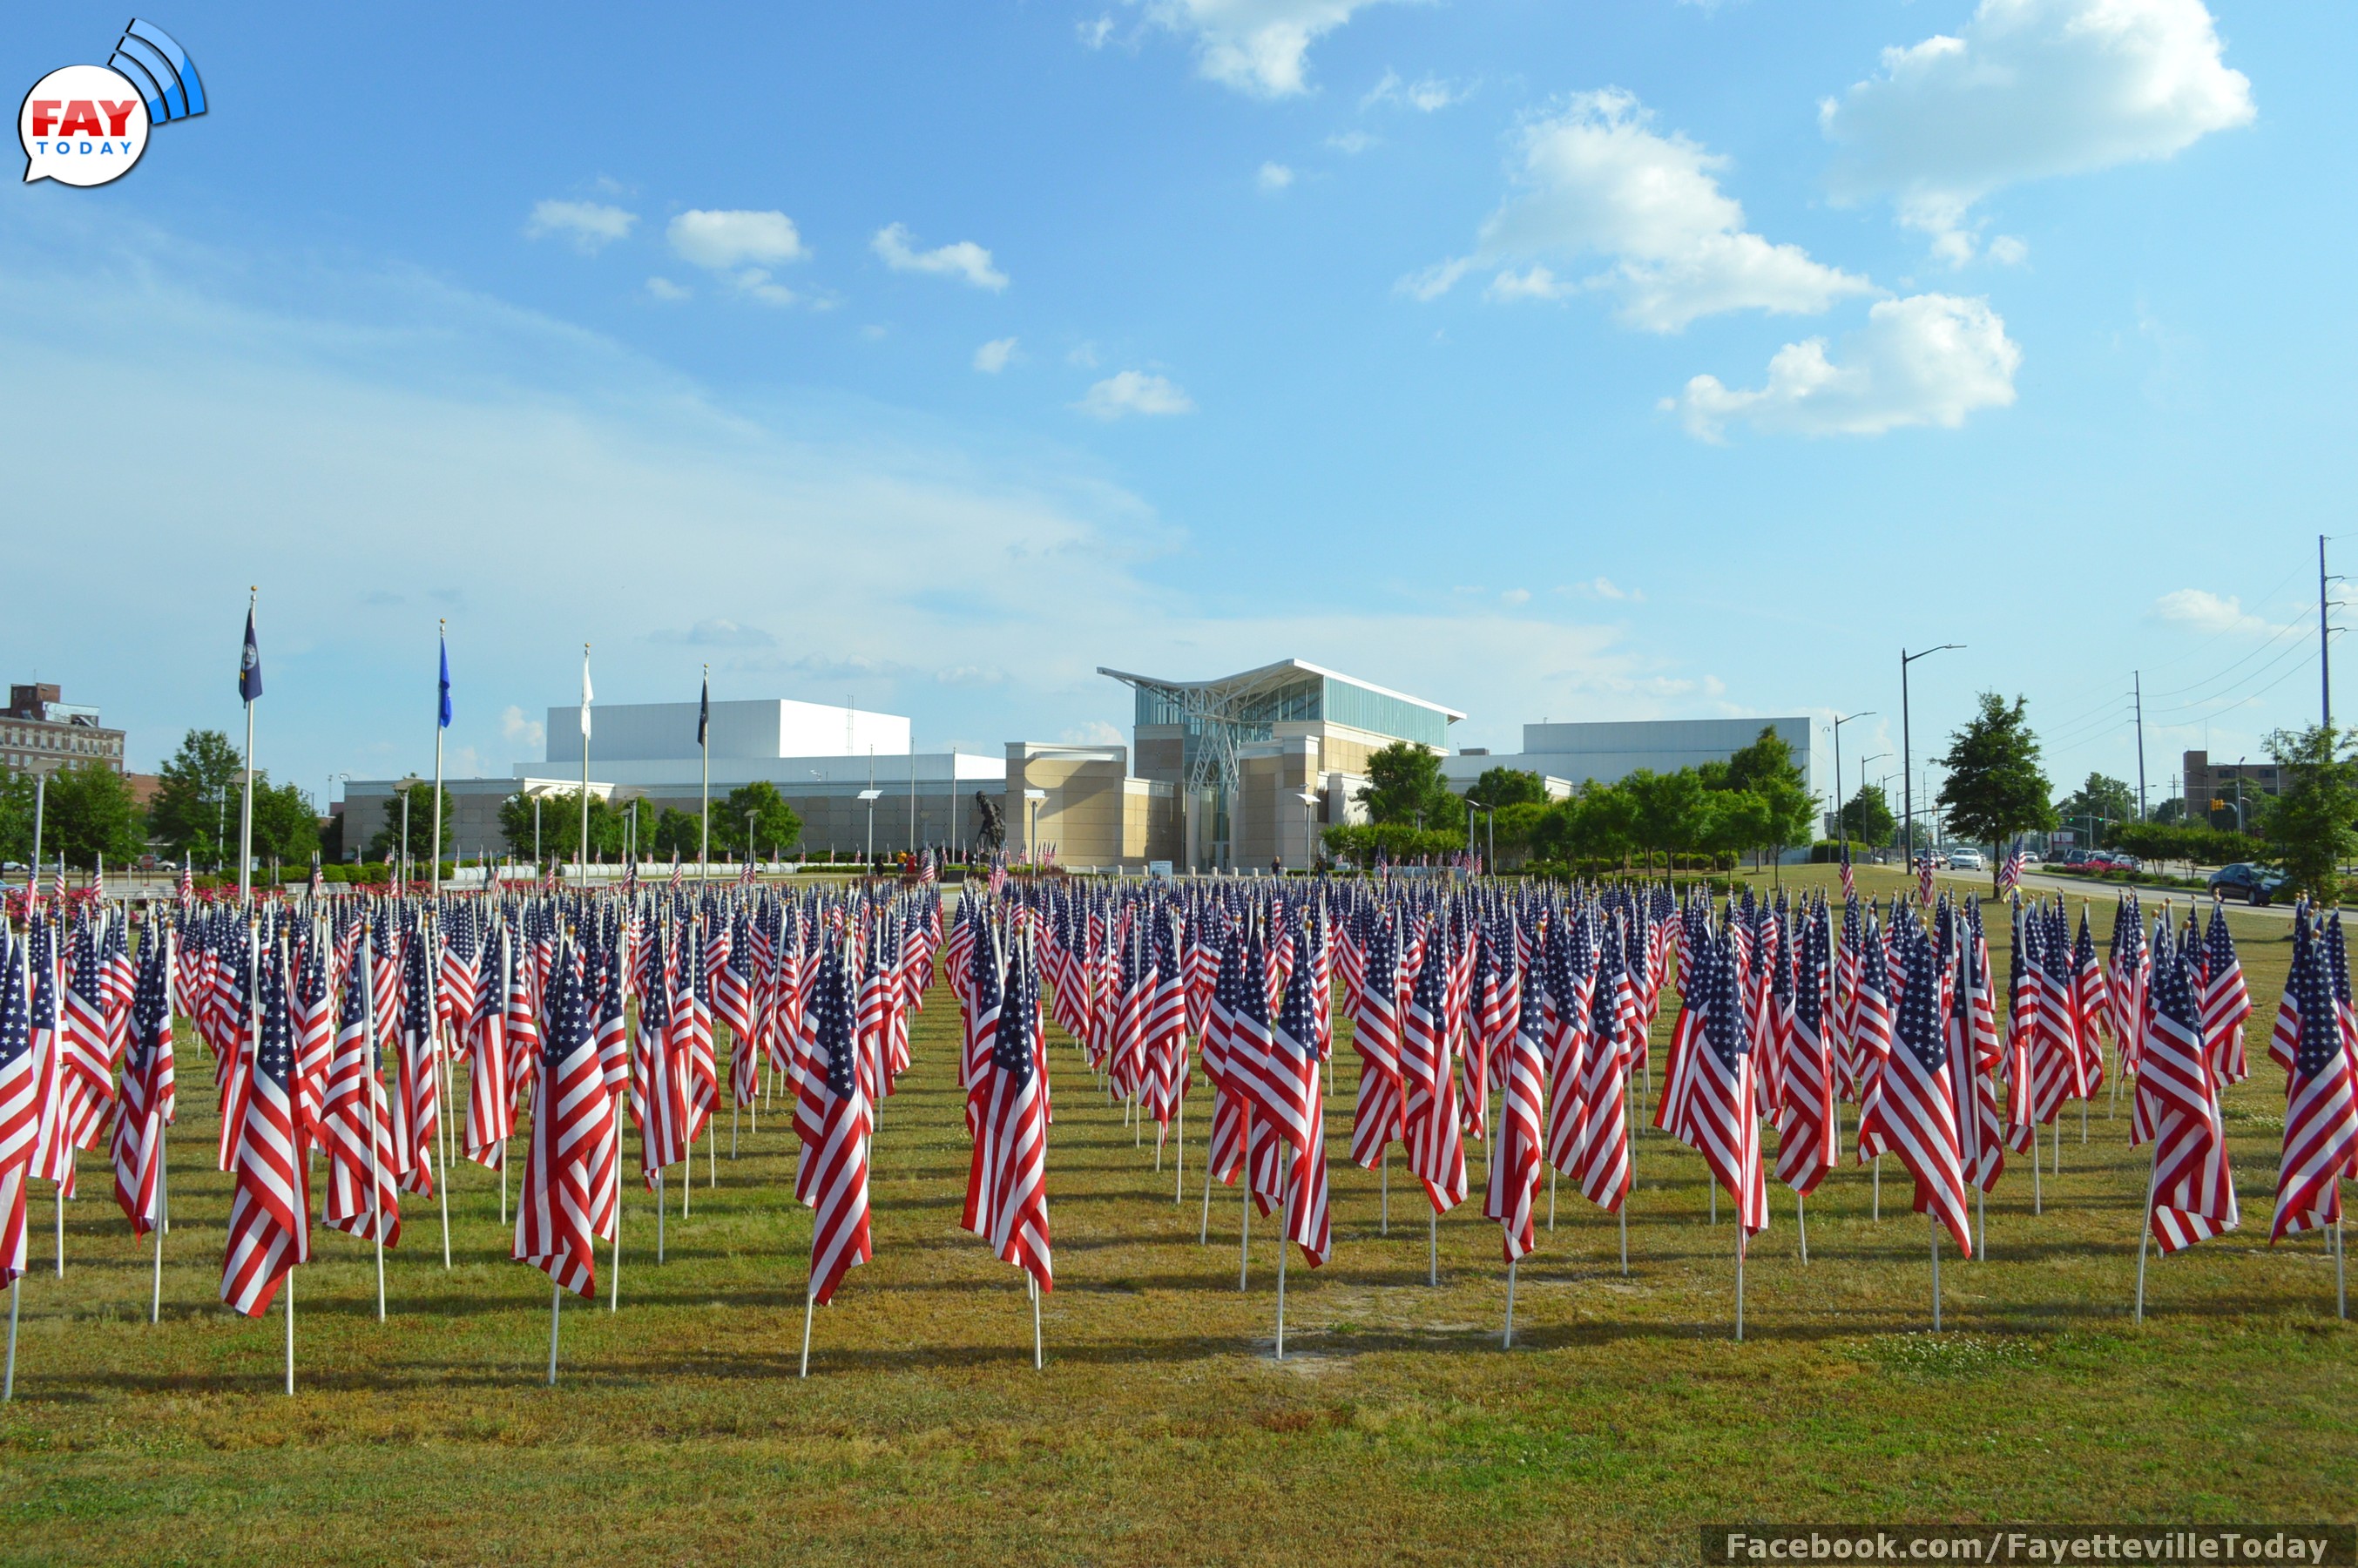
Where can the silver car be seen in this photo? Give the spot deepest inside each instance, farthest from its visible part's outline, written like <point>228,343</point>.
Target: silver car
<point>1967,861</point>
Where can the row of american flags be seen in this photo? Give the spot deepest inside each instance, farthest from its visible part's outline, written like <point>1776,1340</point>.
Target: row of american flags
<point>359,1045</point>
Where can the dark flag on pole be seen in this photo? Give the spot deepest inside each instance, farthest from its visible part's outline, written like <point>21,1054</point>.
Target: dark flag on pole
<point>442,717</point>
<point>704,712</point>
<point>249,664</point>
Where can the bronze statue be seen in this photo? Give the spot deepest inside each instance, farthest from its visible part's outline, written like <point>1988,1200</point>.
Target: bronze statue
<point>993,832</point>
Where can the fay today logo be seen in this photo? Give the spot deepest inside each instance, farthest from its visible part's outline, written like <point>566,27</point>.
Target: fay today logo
<point>88,125</point>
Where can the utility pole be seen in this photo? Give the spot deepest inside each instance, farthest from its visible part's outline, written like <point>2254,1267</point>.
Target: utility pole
<point>2324,640</point>
<point>2136,690</point>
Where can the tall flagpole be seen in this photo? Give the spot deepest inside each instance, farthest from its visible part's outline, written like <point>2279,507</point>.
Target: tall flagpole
<point>249,687</point>
<point>584,845</point>
<point>704,747</point>
<point>441,722</point>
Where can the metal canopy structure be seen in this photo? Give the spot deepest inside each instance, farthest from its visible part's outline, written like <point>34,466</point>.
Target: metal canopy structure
<point>1219,718</point>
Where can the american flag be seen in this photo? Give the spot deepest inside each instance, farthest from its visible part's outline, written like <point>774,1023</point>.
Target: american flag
<point>833,1174</point>
<point>417,1114</point>
<point>2010,873</point>
<point>356,1128</point>
<point>2225,1002</point>
<point>1436,1149</point>
<point>566,1183</point>
<point>1722,1112</point>
<point>1376,1116</point>
<point>1515,1154</point>
<point>491,1097</point>
<point>19,1106</point>
<point>1849,876</point>
<point>86,1066</point>
<point>2178,1110</point>
<point>270,1211</point>
<point>1567,981</point>
<point>1924,878</point>
<point>1914,1114</point>
<point>2321,1134</point>
<point>1225,1154</point>
<point>658,1085</point>
<point>1808,1136</point>
<point>1015,1128</point>
<point>1289,1153</point>
<point>1601,1141</point>
<point>147,1093</point>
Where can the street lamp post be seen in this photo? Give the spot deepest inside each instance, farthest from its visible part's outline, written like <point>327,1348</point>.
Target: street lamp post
<point>535,835</point>
<point>1842,833</point>
<point>1309,798</point>
<point>870,796</point>
<point>1907,779</point>
<point>1033,800</point>
<point>1862,790</point>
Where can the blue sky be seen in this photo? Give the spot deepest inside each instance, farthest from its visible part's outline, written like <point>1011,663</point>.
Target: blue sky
<point>1548,360</point>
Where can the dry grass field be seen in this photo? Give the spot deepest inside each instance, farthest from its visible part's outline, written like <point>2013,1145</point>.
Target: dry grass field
<point>1163,1430</point>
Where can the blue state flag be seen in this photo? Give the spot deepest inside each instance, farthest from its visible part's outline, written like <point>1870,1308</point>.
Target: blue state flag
<point>444,718</point>
<point>249,664</point>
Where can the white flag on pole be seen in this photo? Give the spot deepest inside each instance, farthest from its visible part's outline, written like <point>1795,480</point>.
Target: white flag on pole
<point>586,693</point>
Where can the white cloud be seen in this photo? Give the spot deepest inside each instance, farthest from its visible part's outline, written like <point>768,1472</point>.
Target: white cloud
<point>1257,46</point>
<point>970,674</point>
<point>1084,355</point>
<point>718,631</point>
<point>1274,177</point>
<point>1603,588</point>
<point>723,240</point>
<point>1930,358</point>
<point>2006,250</point>
<point>665,289</point>
<point>465,417</point>
<point>590,226</point>
<point>1515,597</point>
<point>2203,611</point>
<point>1134,392</point>
<point>518,730</point>
<point>1094,732</point>
<point>2026,89</point>
<point>1427,96</point>
<point>1537,283</point>
<point>1597,181</point>
<point>1350,144</point>
<point>1095,31</point>
<point>994,355</point>
<point>964,259</point>
<point>755,281</point>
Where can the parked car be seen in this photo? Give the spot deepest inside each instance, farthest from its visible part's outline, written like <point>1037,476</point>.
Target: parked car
<point>1967,861</point>
<point>2256,884</point>
<point>2076,857</point>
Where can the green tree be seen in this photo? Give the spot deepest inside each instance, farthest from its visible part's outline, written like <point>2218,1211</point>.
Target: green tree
<point>1867,817</point>
<point>194,811</point>
<point>16,817</point>
<point>1601,823</point>
<point>560,826</point>
<point>2098,807</point>
<point>286,823</point>
<point>1670,816</point>
<point>679,833</point>
<point>89,813</point>
<point>1404,785</point>
<point>1995,788</point>
<point>2311,827</point>
<point>775,825</point>
<point>1508,786</point>
<point>420,794</point>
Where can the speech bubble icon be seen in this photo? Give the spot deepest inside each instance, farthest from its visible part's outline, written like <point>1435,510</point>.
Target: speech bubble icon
<point>81,125</point>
